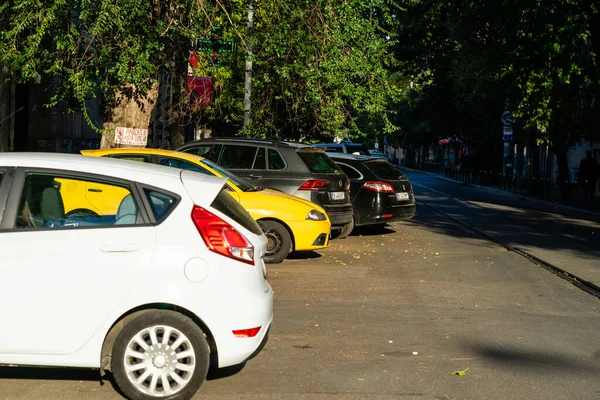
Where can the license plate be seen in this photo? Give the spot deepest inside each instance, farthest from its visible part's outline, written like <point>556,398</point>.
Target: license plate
<point>402,196</point>
<point>337,195</point>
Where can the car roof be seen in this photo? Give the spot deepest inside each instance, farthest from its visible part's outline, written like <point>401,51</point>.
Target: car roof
<point>145,151</point>
<point>249,141</point>
<point>348,156</point>
<point>126,169</point>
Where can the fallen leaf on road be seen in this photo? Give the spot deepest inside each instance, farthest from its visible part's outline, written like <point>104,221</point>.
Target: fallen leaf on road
<point>460,373</point>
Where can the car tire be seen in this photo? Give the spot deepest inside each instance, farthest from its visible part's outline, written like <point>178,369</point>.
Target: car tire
<point>152,335</point>
<point>279,241</point>
<point>346,230</point>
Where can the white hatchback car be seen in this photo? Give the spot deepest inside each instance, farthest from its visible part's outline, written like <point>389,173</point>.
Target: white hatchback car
<point>164,278</point>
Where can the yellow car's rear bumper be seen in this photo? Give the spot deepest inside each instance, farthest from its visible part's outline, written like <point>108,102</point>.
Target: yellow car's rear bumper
<point>310,235</point>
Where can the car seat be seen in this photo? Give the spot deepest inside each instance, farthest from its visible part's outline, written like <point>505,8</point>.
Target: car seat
<point>127,211</point>
<point>52,208</point>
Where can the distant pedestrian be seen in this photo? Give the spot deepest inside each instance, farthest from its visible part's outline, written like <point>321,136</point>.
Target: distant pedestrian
<point>589,170</point>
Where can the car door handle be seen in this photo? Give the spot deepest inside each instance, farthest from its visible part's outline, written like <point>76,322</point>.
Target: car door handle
<point>119,247</point>
<point>95,190</point>
<point>254,176</point>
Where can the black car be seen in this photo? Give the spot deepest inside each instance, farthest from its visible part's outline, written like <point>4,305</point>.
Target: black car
<point>379,191</point>
<point>295,168</point>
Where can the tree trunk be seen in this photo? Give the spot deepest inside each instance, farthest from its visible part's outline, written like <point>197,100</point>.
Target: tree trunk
<point>564,179</point>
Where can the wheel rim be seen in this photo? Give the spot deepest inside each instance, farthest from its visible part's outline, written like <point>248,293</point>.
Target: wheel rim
<point>159,361</point>
<point>274,242</point>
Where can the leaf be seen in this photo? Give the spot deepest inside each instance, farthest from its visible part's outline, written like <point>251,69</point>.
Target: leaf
<point>460,373</point>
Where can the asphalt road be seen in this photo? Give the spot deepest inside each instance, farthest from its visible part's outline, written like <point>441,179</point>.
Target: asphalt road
<point>390,315</point>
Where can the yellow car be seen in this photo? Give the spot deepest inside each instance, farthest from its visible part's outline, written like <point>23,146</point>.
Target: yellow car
<point>289,222</point>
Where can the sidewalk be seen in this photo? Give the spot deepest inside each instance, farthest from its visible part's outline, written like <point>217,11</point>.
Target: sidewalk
<point>577,206</point>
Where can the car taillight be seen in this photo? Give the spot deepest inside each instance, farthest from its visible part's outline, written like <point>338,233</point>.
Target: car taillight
<point>379,187</point>
<point>246,333</point>
<point>347,187</point>
<point>221,237</point>
<point>314,184</point>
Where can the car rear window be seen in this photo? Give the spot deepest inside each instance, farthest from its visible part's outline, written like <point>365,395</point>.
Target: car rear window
<point>225,203</point>
<point>318,161</point>
<point>384,170</point>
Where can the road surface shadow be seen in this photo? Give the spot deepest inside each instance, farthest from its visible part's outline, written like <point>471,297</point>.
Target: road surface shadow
<point>220,373</point>
<point>372,230</point>
<point>303,255</point>
<point>49,373</point>
<point>536,360</point>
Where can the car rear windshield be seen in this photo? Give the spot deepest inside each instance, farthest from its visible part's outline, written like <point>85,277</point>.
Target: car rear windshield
<point>225,203</point>
<point>318,161</point>
<point>357,148</point>
<point>384,170</point>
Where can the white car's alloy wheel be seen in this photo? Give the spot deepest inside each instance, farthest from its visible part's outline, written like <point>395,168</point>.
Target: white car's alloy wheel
<point>160,354</point>
<point>159,361</point>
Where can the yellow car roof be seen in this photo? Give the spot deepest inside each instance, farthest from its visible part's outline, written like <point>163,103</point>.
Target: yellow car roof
<point>142,150</point>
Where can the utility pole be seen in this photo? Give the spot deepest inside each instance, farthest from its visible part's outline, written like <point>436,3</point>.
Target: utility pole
<point>248,78</point>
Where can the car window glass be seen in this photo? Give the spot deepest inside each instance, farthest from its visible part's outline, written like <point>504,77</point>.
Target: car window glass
<point>198,150</point>
<point>318,162</point>
<point>57,201</point>
<point>1,176</point>
<point>160,203</point>
<point>384,170</point>
<point>131,157</point>
<point>335,149</point>
<point>275,160</point>
<point>350,172</point>
<point>238,157</point>
<point>261,161</point>
<point>357,148</point>
<point>242,184</point>
<point>182,164</point>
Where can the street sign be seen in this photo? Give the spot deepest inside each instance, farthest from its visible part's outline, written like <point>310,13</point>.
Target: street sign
<point>507,133</point>
<point>376,146</point>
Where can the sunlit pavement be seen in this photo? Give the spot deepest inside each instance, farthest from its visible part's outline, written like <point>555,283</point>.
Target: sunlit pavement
<point>391,315</point>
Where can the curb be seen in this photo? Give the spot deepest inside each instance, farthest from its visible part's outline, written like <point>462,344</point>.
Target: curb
<point>532,199</point>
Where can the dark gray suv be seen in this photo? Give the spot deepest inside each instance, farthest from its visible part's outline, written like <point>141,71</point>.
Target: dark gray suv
<point>294,168</point>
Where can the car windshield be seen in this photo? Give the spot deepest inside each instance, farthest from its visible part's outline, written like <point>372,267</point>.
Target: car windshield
<point>245,186</point>
<point>384,170</point>
<point>318,162</point>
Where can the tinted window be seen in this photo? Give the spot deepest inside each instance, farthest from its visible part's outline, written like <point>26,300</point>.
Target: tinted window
<point>357,148</point>
<point>237,181</point>
<point>225,203</point>
<point>238,157</point>
<point>160,203</point>
<point>182,164</point>
<point>335,149</point>
<point>198,150</point>
<point>384,170</point>
<point>1,175</point>
<point>350,172</point>
<point>275,160</point>
<point>261,161</point>
<point>130,157</point>
<point>56,201</point>
<point>318,161</point>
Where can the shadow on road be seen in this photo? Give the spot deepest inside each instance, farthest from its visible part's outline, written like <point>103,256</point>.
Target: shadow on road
<point>50,373</point>
<point>536,360</point>
<point>303,255</point>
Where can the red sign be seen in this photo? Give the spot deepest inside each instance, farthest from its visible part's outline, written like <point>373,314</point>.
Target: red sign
<point>199,90</point>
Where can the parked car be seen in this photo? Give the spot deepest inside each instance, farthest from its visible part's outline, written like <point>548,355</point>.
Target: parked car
<point>170,283</point>
<point>376,154</point>
<point>380,192</point>
<point>289,222</point>
<point>345,147</point>
<point>294,168</point>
